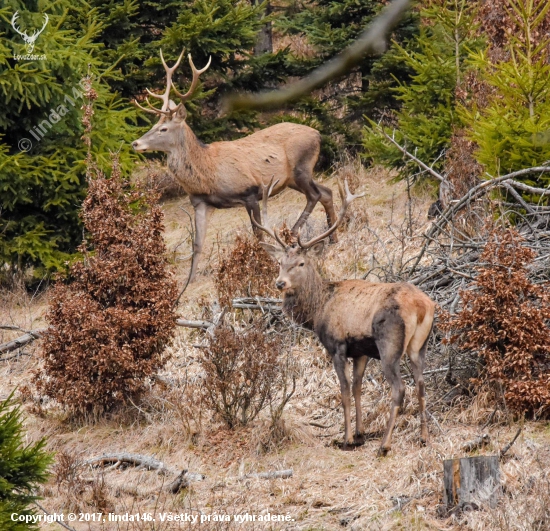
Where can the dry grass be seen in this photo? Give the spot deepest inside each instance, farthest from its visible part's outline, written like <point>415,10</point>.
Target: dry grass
<point>330,489</point>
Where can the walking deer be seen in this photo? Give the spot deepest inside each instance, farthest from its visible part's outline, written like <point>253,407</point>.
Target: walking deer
<point>230,174</point>
<point>355,319</point>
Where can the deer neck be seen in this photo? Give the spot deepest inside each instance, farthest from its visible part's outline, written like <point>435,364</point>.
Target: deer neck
<point>305,304</point>
<point>190,162</point>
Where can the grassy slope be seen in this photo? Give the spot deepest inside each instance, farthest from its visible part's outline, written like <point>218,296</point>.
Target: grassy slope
<point>330,489</point>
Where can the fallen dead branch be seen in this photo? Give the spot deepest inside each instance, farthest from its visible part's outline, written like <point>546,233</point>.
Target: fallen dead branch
<point>275,474</point>
<point>204,325</point>
<point>265,304</point>
<point>137,460</point>
<point>477,443</point>
<point>21,341</point>
<point>62,524</point>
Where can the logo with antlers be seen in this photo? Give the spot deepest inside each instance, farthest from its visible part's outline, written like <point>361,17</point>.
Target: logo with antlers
<point>29,39</point>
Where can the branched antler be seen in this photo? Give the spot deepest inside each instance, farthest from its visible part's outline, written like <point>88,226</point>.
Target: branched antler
<point>195,81</point>
<point>266,228</point>
<point>347,197</point>
<point>166,110</point>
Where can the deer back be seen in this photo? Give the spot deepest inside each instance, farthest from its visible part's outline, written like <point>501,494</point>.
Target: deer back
<point>357,310</point>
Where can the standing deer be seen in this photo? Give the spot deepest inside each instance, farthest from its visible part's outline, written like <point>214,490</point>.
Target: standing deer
<point>355,319</point>
<point>229,174</point>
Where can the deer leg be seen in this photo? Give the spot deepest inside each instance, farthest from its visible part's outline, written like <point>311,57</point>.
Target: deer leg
<point>201,220</point>
<point>392,374</point>
<point>305,184</point>
<point>418,358</point>
<point>328,204</point>
<point>340,363</point>
<point>359,365</point>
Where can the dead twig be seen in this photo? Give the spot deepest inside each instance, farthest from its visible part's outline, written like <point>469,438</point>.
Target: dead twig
<point>509,445</point>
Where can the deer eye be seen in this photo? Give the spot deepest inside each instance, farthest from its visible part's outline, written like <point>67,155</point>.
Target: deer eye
<point>301,264</point>
<point>163,129</point>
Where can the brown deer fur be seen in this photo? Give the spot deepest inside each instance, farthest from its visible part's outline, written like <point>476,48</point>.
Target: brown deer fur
<point>230,174</point>
<point>359,320</point>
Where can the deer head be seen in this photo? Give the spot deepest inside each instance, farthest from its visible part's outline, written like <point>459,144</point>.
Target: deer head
<point>296,262</point>
<point>28,39</point>
<point>163,135</point>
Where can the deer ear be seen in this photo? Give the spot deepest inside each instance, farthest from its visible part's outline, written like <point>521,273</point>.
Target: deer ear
<point>275,252</point>
<point>181,113</point>
<point>318,248</point>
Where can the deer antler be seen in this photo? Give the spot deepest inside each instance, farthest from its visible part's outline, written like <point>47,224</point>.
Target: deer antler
<point>165,110</point>
<point>347,197</point>
<point>271,232</point>
<point>195,81</point>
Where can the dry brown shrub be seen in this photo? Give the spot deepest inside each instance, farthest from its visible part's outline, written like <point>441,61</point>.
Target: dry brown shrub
<point>241,369</point>
<point>505,321</point>
<point>157,177</point>
<point>245,270</point>
<point>111,318</point>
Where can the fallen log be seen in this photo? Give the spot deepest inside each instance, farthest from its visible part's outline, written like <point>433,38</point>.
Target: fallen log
<point>478,442</point>
<point>138,460</point>
<point>21,341</point>
<point>204,325</point>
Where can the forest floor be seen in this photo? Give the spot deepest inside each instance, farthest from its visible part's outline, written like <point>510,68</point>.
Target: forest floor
<point>329,489</point>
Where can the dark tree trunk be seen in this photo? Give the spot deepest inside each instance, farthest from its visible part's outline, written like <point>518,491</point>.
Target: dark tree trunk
<point>471,482</point>
<point>264,44</point>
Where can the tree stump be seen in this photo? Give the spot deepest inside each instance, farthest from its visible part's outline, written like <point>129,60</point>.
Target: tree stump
<point>471,482</point>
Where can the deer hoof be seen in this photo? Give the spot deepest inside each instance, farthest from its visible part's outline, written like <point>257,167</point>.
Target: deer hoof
<point>359,439</point>
<point>382,452</point>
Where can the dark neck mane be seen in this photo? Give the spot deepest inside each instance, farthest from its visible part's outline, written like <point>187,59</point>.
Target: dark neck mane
<point>189,162</point>
<point>305,304</point>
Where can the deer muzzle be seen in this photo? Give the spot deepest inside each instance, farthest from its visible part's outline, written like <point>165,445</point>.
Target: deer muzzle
<point>280,284</point>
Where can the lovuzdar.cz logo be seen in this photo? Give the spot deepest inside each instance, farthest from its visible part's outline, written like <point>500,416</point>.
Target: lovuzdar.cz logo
<point>29,40</point>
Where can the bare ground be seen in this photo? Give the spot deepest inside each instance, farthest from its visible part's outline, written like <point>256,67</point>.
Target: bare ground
<point>330,488</point>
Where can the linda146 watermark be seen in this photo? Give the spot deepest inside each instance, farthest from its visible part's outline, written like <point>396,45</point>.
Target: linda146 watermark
<point>54,115</point>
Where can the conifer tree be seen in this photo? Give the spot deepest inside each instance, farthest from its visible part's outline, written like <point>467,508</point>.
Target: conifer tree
<point>337,111</point>
<point>23,467</point>
<point>511,127</point>
<point>42,159</point>
<point>436,59</point>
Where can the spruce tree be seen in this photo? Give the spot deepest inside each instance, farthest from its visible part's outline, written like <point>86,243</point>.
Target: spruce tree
<point>23,467</point>
<point>436,58</point>
<point>511,128</point>
<point>42,159</point>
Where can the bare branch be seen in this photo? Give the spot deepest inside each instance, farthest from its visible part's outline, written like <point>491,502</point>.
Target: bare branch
<point>424,166</point>
<point>371,41</point>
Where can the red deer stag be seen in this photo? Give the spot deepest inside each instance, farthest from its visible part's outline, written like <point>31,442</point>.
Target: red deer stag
<point>229,174</point>
<point>355,319</point>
